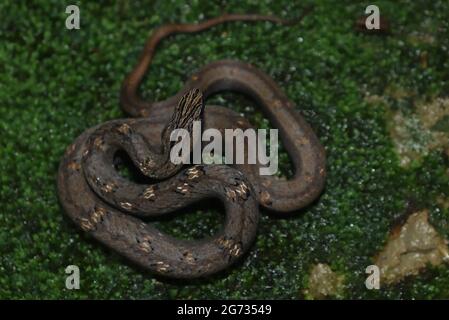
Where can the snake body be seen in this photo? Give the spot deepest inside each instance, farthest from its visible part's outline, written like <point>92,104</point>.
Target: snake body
<point>111,207</point>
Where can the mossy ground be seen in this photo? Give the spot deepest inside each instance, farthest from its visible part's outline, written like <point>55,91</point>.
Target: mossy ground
<point>55,83</point>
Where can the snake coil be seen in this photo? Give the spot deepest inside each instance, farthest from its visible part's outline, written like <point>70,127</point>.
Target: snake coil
<point>111,208</point>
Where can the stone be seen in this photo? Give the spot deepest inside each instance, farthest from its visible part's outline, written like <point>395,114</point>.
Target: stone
<point>411,248</point>
<point>323,282</point>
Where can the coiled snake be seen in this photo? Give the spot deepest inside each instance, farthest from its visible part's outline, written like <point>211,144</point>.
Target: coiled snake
<point>110,207</point>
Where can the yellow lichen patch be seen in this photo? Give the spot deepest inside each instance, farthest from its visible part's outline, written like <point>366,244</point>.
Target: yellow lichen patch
<point>398,93</point>
<point>409,249</point>
<point>324,283</point>
<point>417,133</point>
<point>374,99</point>
<point>416,38</point>
<point>432,113</point>
<point>443,202</point>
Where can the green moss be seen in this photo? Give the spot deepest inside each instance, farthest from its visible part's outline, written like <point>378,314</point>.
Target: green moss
<point>55,83</point>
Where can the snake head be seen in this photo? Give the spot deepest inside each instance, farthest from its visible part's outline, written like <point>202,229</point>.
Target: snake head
<point>188,110</point>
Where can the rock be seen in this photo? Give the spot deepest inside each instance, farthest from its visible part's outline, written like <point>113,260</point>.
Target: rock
<point>416,133</point>
<point>410,248</point>
<point>323,282</point>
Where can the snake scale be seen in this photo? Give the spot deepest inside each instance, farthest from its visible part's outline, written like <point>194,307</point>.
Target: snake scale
<point>111,208</point>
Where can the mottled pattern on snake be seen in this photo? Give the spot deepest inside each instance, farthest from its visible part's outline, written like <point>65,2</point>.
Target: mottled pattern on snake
<point>305,150</point>
<point>107,205</point>
<point>110,207</point>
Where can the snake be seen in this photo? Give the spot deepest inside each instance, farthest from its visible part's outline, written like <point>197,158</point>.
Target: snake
<point>113,209</point>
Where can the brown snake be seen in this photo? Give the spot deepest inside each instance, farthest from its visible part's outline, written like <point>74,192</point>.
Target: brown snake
<point>110,207</point>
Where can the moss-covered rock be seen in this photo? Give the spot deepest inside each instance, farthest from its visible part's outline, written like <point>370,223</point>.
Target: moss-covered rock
<point>55,83</point>
<point>410,248</point>
<point>323,283</point>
